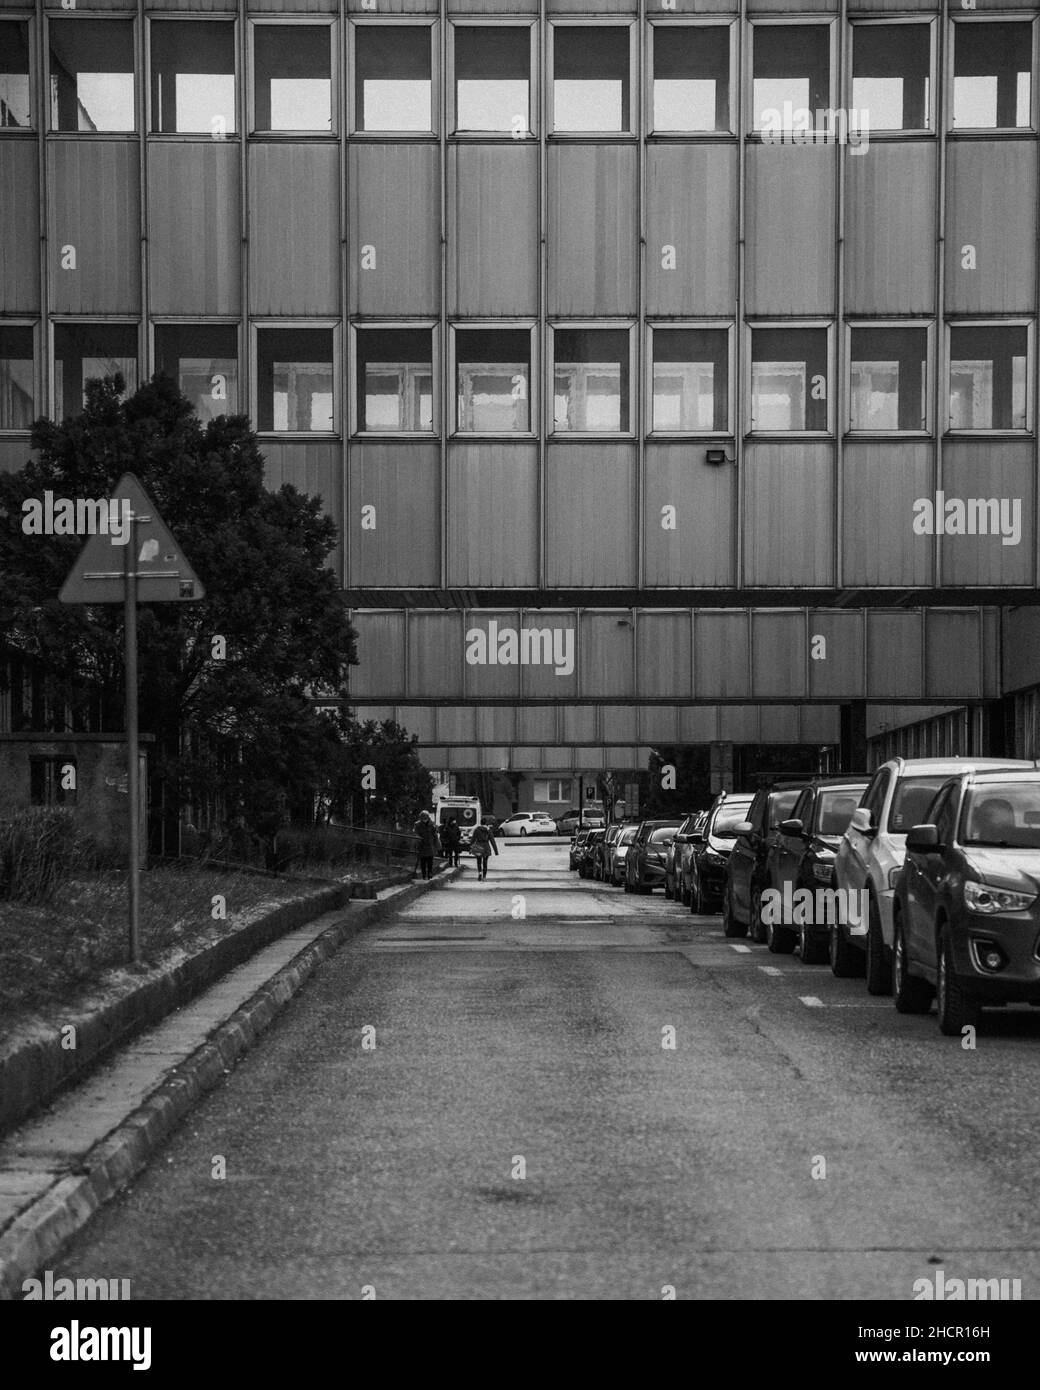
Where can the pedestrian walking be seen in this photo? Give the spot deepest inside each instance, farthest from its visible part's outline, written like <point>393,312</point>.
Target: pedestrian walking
<point>426,833</point>
<point>451,841</point>
<point>481,843</point>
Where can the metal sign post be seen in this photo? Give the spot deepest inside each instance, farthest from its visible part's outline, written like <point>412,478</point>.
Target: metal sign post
<point>132,769</point>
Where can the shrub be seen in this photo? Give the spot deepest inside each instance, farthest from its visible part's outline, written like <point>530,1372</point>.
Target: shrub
<point>38,852</point>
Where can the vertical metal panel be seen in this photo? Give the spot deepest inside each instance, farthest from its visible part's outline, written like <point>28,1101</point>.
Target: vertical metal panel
<point>1003,471</point>
<point>495,724</point>
<point>493,250</point>
<point>992,207</point>
<point>543,681</point>
<point>493,515</point>
<point>590,501</point>
<point>316,470</point>
<point>838,668</point>
<point>593,229</point>
<point>789,514</point>
<point>492,758</point>
<point>691,205</point>
<point>778,654</point>
<point>205,6</point>
<point>790,229</point>
<point>606,654</point>
<point>488,679</point>
<point>890,228</point>
<point>194,227</point>
<point>699,724</point>
<point>94,205</point>
<point>294,228</point>
<point>294,6</point>
<point>779,724</point>
<point>953,643</point>
<point>894,658</point>
<point>589,759</point>
<point>394,208</point>
<point>820,724</point>
<point>1021,647</point>
<point>664,650</point>
<point>435,653</point>
<point>740,723</point>
<point>504,7</point>
<point>784,7</point>
<point>417,719</point>
<point>557,759</point>
<point>380,646</point>
<point>720,655</point>
<point>658,723</point>
<point>393,7</point>
<point>19,227</point>
<point>883,479</point>
<point>619,724</point>
<point>402,482</point>
<point>701,551</point>
<point>457,724</point>
<point>537,723</point>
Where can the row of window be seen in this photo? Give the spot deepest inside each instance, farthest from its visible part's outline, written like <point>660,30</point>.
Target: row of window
<point>192,70</point>
<point>689,377</point>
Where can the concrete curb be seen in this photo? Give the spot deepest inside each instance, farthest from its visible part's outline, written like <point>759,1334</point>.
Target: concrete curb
<point>42,1229</point>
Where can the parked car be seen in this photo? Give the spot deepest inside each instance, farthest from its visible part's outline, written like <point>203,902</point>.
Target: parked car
<point>673,857</point>
<point>616,855</point>
<point>588,849</point>
<point>870,857</point>
<point>802,856</point>
<point>570,820</point>
<point>577,845</point>
<point>746,868</point>
<point>601,857</point>
<point>966,911</point>
<point>644,862</point>
<point>528,823</point>
<point>706,869</point>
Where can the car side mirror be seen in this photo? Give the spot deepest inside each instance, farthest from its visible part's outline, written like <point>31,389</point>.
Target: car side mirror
<point>791,827</point>
<point>861,821</point>
<point>743,827</point>
<point>923,839</point>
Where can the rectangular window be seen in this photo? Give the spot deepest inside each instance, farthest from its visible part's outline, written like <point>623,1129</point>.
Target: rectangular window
<point>889,375</point>
<point>988,377</point>
<point>991,76</point>
<point>193,76</point>
<point>553,789</point>
<point>691,77</point>
<point>17,396</point>
<point>203,361</point>
<point>92,74</point>
<point>395,380</point>
<point>52,781</point>
<point>590,390</point>
<point>493,380</point>
<point>691,379</point>
<point>14,74</point>
<point>788,379</point>
<point>891,68</point>
<point>292,75</point>
<point>492,78</point>
<point>791,84</point>
<point>294,368</point>
<point>393,77</point>
<point>87,351</point>
<point>590,77</point>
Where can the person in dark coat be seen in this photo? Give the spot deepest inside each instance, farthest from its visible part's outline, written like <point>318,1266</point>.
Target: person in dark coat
<point>426,833</point>
<point>481,843</point>
<point>451,841</point>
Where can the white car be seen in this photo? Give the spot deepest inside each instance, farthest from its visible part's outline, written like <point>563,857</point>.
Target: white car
<point>871,855</point>
<point>527,823</point>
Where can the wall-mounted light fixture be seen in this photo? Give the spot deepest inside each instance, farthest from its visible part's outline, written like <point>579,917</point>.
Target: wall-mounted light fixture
<point>717,456</point>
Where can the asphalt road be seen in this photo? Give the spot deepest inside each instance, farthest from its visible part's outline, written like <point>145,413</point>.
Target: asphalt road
<point>519,1130</point>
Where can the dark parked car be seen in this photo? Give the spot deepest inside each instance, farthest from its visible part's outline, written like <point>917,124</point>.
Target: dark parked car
<point>966,911</point>
<point>616,853</point>
<point>802,857</point>
<point>585,856</point>
<point>746,870</point>
<point>644,863</point>
<point>706,873</point>
<point>577,844</point>
<point>601,858</point>
<point>673,856</point>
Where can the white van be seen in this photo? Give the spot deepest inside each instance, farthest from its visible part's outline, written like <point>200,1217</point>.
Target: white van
<point>463,809</point>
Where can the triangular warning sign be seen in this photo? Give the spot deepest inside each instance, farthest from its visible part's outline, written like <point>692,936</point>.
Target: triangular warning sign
<point>163,573</point>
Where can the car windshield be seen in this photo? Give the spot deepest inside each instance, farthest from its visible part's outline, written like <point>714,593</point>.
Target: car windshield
<point>627,834</point>
<point>729,817</point>
<point>834,811</point>
<point>1003,814</point>
<point>781,804</point>
<point>913,796</point>
<point>663,835</point>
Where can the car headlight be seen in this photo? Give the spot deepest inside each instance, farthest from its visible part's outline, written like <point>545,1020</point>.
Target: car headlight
<point>824,872</point>
<point>980,897</point>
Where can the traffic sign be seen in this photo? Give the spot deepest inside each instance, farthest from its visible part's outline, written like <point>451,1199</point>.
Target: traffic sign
<point>162,573</point>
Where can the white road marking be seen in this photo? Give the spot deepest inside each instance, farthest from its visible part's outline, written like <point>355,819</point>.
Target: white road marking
<point>744,950</point>
<point>770,970</point>
<point>810,1001</point>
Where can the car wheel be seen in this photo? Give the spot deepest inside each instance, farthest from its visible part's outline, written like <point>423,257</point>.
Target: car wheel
<point>813,950</point>
<point>756,927</point>
<point>669,891</point>
<point>957,1009</point>
<point>696,898</point>
<point>628,884</point>
<point>912,994</point>
<point>730,925</point>
<point>878,969</point>
<point>684,892</point>
<point>523,830</point>
<point>846,961</point>
<point>780,939</point>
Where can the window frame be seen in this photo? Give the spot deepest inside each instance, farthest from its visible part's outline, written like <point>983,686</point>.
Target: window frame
<point>106,17</point>
<point>632,127</point>
<point>202,321</point>
<point>26,321</point>
<point>613,325</point>
<point>55,412</point>
<point>350,84</point>
<point>191,16</point>
<point>362,326</point>
<point>1015,321</point>
<point>990,132</point>
<point>788,324</point>
<point>293,20</point>
<point>506,21</point>
<point>929,382</point>
<point>925,18</point>
<point>721,325</point>
<point>490,326</point>
<point>256,326</point>
<point>802,21</point>
<point>33,128</point>
<point>692,22</point>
